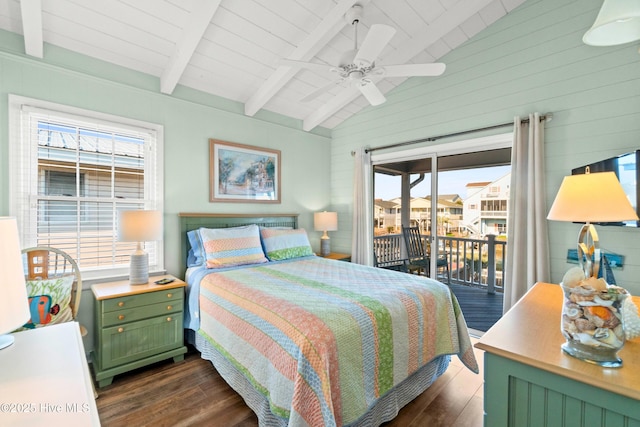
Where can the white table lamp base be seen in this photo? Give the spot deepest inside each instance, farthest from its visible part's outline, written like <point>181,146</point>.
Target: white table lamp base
<point>325,245</point>
<point>139,269</point>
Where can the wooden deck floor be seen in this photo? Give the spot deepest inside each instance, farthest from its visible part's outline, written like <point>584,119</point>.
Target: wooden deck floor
<point>481,310</point>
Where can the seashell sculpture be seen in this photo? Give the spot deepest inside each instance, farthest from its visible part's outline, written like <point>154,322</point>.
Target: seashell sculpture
<point>596,319</point>
<point>573,277</point>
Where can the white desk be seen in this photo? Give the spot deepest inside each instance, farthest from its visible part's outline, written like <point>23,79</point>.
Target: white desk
<point>44,379</point>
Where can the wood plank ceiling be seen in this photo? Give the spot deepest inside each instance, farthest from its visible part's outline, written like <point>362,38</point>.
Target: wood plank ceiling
<point>231,48</point>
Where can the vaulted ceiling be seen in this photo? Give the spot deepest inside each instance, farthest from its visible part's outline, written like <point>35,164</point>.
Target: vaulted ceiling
<point>232,48</point>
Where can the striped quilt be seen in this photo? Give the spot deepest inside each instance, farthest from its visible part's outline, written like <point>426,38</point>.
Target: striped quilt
<point>322,340</point>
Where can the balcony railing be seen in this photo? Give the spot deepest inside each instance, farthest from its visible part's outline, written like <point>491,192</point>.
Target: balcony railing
<point>494,214</point>
<point>472,262</point>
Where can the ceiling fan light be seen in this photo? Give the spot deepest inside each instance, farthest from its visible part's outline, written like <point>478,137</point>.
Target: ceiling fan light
<point>356,75</point>
<point>618,22</point>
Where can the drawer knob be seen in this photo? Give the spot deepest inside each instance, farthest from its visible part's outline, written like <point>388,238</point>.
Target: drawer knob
<point>169,319</point>
<point>120,329</point>
<point>169,295</point>
<point>121,317</point>
<point>169,307</point>
<point>121,304</point>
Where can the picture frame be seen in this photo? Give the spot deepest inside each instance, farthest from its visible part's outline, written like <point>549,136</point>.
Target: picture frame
<point>243,173</point>
<point>616,262</point>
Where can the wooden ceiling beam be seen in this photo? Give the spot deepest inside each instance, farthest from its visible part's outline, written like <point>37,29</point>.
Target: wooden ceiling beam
<point>31,11</point>
<point>335,104</point>
<point>197,24</point>
<point>331,25</point>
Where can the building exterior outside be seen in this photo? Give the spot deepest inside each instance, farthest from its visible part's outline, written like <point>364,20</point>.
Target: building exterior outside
<point>483,211</point>
<point>387,214</point>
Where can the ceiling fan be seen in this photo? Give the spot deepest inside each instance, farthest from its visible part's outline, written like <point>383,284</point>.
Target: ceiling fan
<point>357,67</point>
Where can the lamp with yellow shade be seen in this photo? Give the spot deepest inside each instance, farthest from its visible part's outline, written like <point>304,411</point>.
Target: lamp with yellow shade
<point>14,303</point>
<point>139,226</point>
<point>589,198</point>
<point>325,221</point>
<point>595,314</point>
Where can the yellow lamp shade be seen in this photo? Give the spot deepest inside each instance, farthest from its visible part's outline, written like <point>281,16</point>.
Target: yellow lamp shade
<point>14,303</point>
<point>140,226</point>
<point>325,221</point>
<point>592,197</point>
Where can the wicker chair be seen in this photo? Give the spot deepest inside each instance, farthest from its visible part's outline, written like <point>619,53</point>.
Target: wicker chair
<point>44,262</point>
<point>50,263</point>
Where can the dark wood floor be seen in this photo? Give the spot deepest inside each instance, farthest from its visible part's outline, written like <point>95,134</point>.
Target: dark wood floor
<point>481,310</point>
<point>191,393</point>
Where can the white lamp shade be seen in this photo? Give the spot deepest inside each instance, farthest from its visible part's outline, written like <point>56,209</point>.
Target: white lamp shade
<point>592,197</point>
<point>617,23</point>
<point>14,303</point>
<point>139,226</point>
<point>325,221</point>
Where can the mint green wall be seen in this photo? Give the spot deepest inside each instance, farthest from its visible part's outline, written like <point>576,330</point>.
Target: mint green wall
<point>530,60</point>
<point>189,118</point>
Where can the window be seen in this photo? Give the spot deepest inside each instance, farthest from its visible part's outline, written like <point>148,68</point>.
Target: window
<point>72,171</point>
<point>494,205</point>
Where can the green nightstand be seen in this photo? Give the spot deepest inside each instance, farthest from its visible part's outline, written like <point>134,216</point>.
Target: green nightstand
<point>136,325</point>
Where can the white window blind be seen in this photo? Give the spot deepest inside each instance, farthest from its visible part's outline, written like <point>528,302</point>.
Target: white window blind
<point>71,173</point>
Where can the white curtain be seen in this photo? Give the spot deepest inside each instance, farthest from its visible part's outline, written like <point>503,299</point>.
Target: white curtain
<point>362,238</point>
<point>527,242</point>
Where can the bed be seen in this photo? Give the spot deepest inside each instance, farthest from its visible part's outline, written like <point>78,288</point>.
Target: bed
<point>308,341</point>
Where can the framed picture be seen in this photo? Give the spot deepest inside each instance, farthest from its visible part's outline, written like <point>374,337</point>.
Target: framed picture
<point>242,173</point>
<point>615,261</point>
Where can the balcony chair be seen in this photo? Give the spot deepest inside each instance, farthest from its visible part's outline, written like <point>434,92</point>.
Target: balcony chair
<point>388,256</point>
<point>418,255</point>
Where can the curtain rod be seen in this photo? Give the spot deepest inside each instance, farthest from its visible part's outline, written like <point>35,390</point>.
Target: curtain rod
<point>546,116</point>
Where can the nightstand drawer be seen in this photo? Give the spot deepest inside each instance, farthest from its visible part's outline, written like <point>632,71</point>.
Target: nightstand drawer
<point>131,301</point>
<point>144,312</point>
<point>137,340</point>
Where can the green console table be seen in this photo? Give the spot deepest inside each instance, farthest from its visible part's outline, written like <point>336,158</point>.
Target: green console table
<point>530,381</point>
<point>137,325</point>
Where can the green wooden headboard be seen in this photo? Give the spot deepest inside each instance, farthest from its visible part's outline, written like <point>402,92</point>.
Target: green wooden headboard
<point>193,221</point>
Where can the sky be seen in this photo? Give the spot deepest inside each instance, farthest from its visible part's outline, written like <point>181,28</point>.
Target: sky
<point>450,182</point>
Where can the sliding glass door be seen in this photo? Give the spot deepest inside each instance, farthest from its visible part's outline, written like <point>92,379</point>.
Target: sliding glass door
<point>455,194</point>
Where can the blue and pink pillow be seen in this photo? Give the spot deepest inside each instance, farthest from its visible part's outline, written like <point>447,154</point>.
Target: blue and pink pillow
<point>228,247</point>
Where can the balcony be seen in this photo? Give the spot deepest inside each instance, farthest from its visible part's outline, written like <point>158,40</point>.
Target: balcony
<point>475,273</point>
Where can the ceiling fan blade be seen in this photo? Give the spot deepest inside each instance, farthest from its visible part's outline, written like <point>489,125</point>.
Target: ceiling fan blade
<point>377,38</point>
<point>313,95</point>
<point>371,92</point>
<point>322,68</point>
<point>410,70</point>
